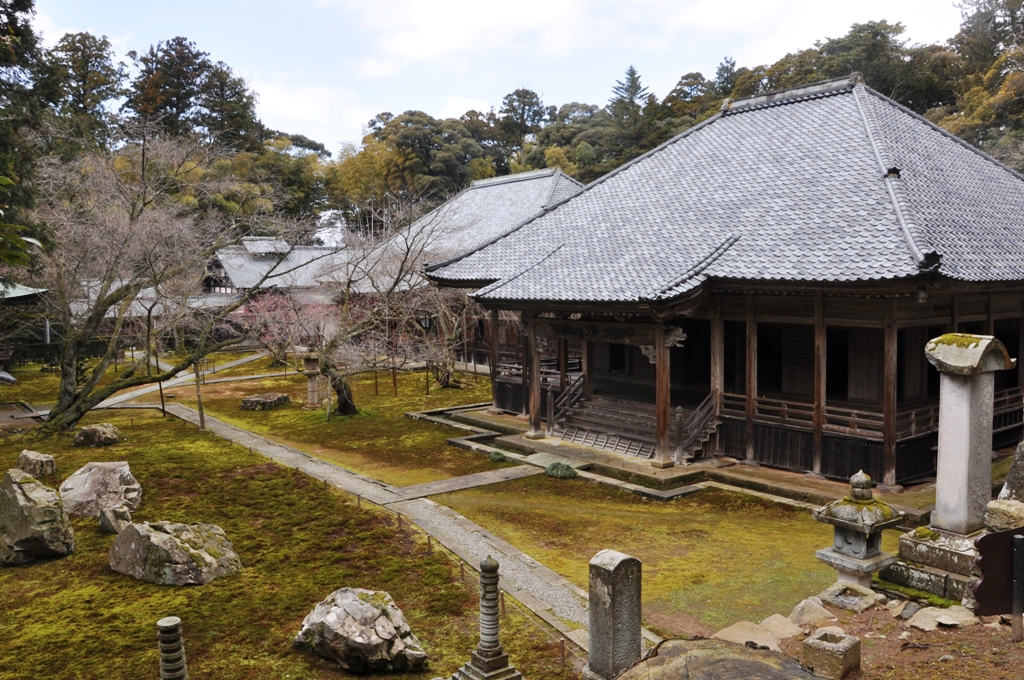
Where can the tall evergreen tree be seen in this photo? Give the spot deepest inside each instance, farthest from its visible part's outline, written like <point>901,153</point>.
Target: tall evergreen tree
<point>88,78</point>
<point>227,108</point>
<point>169,83</point>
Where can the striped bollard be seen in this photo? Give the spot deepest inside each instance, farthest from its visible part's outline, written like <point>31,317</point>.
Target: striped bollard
<point>172,649</point>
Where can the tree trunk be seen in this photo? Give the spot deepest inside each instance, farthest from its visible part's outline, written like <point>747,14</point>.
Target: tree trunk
<point>346,404</point>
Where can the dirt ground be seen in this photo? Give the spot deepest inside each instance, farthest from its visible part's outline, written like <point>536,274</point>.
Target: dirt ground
<point>974,653</point>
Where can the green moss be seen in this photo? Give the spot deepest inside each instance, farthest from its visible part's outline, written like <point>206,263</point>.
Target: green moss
<point>926,534</point>
<point>962,340</point>
<point>883,508</point>
<point>497,457</point>
<point>298,540</point>
<point>913,593</point>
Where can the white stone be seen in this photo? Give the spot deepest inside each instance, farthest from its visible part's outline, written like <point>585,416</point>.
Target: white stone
<point>36,464</point>
<point>99,486</point>
<point>172,554</point>
<point>930,618</point>
<point>744,631</point>
<point>811,613</point>
<point>1001,515</point>
<point>33,523</point>
<point>781,627</point>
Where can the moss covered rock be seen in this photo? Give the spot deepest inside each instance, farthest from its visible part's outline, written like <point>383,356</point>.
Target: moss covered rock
<point>33,522</point>
<point>173,554</point>
<point>99,486</point>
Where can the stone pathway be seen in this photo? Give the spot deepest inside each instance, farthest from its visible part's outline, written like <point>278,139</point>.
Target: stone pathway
<point>558,602</point>
<point>468,481</point>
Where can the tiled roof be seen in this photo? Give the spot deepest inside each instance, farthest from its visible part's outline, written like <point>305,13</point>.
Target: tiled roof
<point>488,208</point>
<point>302,267</point>
<point>791,187</point>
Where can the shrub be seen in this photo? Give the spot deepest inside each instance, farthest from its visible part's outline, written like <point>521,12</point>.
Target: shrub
<point>498,457</point>
<point>561,471</point>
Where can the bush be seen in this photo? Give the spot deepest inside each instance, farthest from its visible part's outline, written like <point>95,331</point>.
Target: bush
<point>498,457</point>
<point>561,471</point>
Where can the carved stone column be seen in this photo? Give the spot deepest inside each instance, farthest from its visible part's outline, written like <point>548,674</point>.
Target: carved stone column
<point>489,660</point>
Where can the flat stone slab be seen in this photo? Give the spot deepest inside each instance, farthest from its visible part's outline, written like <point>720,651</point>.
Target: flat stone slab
<point>545,459</point>
<point>781,627</point>
<point>745,632</point>
<point>264,402</point>
<point>930,618</point>
<point>468,481</point>
<point>715,660</point>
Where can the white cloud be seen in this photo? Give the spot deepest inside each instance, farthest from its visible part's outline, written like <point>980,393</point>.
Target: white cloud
<point>330,115</point>
<point>456,106</point>
<point>377,68</point>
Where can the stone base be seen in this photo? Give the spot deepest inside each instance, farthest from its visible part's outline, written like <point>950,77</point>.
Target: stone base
<point>889,488</point>
<point>854,569</point>
<point>535,435</point>
<point>311,407</point>
<point>470,672</point>
<point>591,675</point>
<point>662,464</point>
<point>929,579</point>
<point>940,549</point>
<point>830,655</point>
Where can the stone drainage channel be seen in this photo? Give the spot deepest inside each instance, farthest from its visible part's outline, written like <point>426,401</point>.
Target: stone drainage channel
<point>558,602</point>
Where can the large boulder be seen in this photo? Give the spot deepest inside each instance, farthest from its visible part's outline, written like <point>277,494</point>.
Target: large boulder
<point>265,401</point>
<point>99,486</point>
<point>1013,487</point>
<point>36,464</point>
<point>172,554</point>
<point>103,434</point>
<point>33,523</point>
<point>364,631</point>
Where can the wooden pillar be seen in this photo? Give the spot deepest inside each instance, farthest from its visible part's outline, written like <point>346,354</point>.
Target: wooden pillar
<point>663,403</point>
<point>524,345</point>
<point>717,356</point>
<point>588,369</point>
<point>955,315</point>
<point>535,431</point>
<point>990,318</point>
<point>751,372</point>
<point>563,364</point>
<point>819,380</point>
<point>494,354</point>
<point>1020,351</point>
<point>889,397</point>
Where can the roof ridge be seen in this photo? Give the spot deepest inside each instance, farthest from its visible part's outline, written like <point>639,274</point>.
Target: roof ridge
<point>815,90</point>
<point>557,177</point>
<point>622,168</point>
<point>539,173</point>
<point>922,259</point>
<point>696,269</point>
<point>490,288</point>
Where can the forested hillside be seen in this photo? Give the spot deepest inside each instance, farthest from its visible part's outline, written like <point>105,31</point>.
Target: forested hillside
<point>77,95</point>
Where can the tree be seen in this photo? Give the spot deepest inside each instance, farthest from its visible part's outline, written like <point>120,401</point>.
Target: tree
<point>169,83</point>
<point>88,78</point>
<point>134,227</point>
<point>725,77</point>
<point>227,108</point>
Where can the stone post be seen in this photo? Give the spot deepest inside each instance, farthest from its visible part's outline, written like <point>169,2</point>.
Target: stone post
<point>311,369</point>
<point>172,649</point>
<point>616,644</point>
<point>963,485</point>
<point>488,661</point>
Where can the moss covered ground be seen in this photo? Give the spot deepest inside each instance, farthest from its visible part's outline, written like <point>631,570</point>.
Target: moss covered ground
<point>298,540</point>
<point>709,559</point>
<point>379,441</point>
<point>40,389</point>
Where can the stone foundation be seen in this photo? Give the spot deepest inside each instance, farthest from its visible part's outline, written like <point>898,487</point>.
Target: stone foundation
<point>264,402</point>
<point>935,561</point>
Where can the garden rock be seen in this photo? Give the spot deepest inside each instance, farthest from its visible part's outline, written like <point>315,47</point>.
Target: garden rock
<point>781,627</point>
<point>103,434</point>
<point>811,614</point>
<point>851,596</point>
<point>930,618</point>
<point>173,554</point>
<point>36,464</point>
<point>99,486</point>
<point>363,631</point>
<point>33,523</point>
<point>113,520</point>
<point>745,632</point>
<point>1013,487</point>
<point>1003,515</point>
<point>264,402</point>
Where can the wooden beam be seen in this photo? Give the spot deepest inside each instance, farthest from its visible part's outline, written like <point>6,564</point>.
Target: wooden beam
<point>535,431</point>
<point>990,321</point>
<point>955,315</point>
<point>663,403</point>
<point>563,364</point>
<point>1020,350</point>
<point>751,373</point>
<point>889,398</point>
<point>718,355</point>
<point>819,380</point>
<point>588,369</point>
<point>524,347</point>
<point>495,355</point>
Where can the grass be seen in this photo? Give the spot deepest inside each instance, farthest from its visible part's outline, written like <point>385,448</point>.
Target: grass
<point>379,441</point>
<point>298,540</point>
<point>709,559</point>
<point>37,388</point>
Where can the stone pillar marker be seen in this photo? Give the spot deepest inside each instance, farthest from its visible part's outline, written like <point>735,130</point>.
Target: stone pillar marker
<point>963,485</point>
<point>489,660</point>
<point>616,642</point>
<point>311,369</point>
<point>172,649</point>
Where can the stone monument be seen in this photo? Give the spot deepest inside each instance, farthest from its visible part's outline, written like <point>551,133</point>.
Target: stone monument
<point>858,519</point>
<point>311,369</point>
<point>616,644</point>
<point>938,559</point>
<point>488,661</point>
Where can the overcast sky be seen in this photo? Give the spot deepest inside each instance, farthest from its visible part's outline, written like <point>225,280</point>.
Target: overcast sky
<point>323,68</point>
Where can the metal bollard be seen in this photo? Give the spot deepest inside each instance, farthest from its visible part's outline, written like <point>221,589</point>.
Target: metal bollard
<point>172,649</point>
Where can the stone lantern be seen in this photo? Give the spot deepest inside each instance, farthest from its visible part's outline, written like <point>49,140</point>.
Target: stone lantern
<point>311,369</point>
<point>859,519</point>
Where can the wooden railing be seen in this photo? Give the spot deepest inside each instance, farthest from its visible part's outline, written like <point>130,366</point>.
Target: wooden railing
<point>865,423</point>
<point>693,427</point>
<point>560,405</point>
